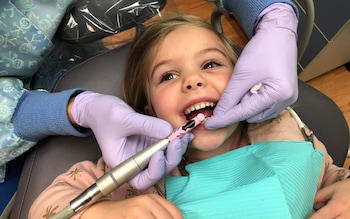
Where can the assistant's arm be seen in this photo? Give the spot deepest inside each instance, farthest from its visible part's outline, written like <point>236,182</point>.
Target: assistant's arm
<point>28,116</point>
<point>247,12</point>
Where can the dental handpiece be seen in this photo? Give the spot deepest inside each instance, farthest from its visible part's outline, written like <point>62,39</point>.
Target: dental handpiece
<point>123,172</point>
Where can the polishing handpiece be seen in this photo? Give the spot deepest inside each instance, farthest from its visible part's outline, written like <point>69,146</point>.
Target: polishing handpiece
<point>124,171</point>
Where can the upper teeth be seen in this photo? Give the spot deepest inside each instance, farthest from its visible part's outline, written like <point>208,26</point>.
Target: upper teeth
<point>199,106</point>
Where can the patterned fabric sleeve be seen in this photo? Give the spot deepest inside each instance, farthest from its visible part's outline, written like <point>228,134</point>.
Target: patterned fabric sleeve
<point>23,125</point>
<point>332,172</point>
<point>26,30</point>
<point>77,179</point>
<point>65,188</point>
<point>11,146</point>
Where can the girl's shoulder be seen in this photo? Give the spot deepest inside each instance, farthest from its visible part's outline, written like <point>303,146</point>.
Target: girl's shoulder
<point>284,127</point>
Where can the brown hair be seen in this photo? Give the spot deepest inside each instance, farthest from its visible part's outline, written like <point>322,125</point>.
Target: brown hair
<point>135,80</point>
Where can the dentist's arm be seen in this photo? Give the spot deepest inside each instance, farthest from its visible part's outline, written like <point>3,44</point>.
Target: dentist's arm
<point>269,58</point>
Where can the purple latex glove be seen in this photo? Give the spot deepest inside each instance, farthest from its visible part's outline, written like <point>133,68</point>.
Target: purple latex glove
<point>269,58</point>
<point>121,133</point>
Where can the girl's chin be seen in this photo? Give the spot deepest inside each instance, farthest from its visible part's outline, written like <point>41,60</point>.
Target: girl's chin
<point>206,145</point>
<point>216,140</point>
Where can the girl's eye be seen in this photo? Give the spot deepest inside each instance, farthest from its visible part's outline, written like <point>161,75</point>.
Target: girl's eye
<point>211,64</point>
<point>167,77</point>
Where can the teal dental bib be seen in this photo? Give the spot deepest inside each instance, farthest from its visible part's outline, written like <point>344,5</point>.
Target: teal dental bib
<point>275,179</point>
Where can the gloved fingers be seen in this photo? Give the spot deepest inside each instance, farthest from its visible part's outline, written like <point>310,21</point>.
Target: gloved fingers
<point>149,126</point>
<point>175,151</point>
<point>231,97</point>
<point>251,106</point>
<point>160,164</point>
<point>258,105</point>
<point>152,174</point>
<point>266,102</point>
<point>227,105</point>
<point>262,102</point>
<point>240,82</point>
<point>111,116</point>
<point>240,112</point>
<point>247,108</point>
<point>115,152</point>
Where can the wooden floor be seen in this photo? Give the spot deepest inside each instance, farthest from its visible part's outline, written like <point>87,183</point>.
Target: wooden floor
<point>334,84</point>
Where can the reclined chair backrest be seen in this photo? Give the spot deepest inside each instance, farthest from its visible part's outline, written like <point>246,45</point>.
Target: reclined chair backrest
<point>103,74</point>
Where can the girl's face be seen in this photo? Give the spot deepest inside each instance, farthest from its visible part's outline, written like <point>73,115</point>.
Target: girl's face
<point>188,75</point>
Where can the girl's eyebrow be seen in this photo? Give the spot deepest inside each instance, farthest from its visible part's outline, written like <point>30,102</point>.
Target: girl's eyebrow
<point>213,49</point>
<point>163,62</point>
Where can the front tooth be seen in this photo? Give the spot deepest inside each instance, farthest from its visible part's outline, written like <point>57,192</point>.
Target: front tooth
<point>199,106</point>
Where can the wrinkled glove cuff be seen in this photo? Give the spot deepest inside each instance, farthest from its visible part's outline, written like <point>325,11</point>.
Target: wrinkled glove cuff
<point>247,11</point>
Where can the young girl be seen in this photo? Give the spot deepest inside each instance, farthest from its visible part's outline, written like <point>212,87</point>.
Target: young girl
<point>176,69</point>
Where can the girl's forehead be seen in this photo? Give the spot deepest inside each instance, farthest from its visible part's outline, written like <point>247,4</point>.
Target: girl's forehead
<point>185,38</point>
<point>187,35</point>
<point>187,29</point>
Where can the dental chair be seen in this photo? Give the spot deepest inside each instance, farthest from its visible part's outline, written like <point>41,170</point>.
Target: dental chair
<point>103,73</point>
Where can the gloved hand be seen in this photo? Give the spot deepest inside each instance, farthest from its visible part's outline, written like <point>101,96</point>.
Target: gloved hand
<point>121,133</point>
<point>269,58</point>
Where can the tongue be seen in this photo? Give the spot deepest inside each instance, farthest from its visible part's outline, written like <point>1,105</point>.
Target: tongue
<point>206,111</point>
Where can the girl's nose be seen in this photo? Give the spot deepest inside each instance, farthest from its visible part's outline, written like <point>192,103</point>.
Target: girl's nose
<point>198,84</point>
<point>193,82</point>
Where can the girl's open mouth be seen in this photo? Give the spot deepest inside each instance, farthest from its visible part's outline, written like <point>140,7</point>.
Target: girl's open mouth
<point>206,108</point>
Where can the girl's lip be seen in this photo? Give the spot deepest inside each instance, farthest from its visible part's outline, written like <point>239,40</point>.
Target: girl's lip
<point>200,127</point>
